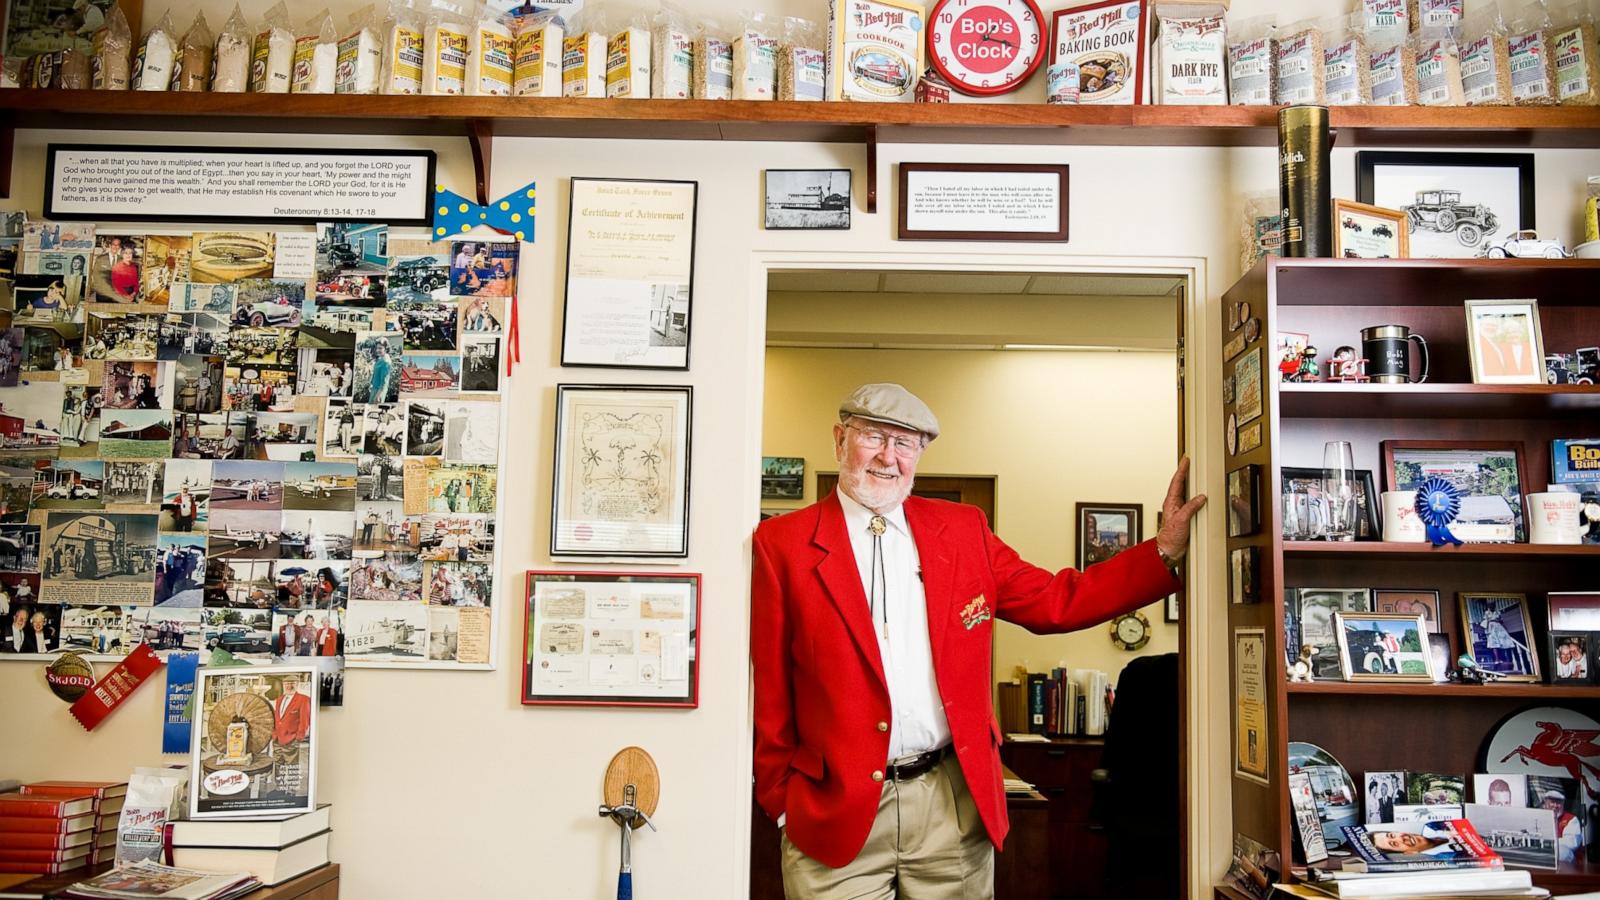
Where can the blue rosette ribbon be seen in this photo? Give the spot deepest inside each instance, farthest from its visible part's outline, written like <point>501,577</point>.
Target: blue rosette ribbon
<point>1438,504</point>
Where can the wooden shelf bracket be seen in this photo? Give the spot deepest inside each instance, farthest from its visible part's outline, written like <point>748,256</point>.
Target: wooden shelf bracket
<point>480,133</point>
<point>872,168</point>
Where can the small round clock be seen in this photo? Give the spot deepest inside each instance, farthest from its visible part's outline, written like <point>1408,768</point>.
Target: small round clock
<point>1130,631</point>
<point>986,47</point>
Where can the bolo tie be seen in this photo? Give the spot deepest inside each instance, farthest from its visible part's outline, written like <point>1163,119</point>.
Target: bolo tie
<point>879,589</point>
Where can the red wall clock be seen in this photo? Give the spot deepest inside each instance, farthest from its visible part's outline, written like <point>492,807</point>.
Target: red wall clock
<point>986,47</point>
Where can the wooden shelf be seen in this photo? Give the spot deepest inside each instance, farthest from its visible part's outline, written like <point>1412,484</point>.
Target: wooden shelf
<point>1358,549</point>
<point>1438,401</point>
<point>748,120</point>
<point>1434,691</point>
<point>1433,282</point>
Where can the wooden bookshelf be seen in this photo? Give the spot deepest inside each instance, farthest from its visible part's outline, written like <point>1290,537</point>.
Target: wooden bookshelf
<point>1444,725</point>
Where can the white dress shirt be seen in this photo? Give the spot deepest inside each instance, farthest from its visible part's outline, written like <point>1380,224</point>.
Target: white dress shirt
<point>918,723</point>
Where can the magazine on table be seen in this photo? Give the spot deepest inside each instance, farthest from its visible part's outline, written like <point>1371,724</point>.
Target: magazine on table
<point>149,881</point>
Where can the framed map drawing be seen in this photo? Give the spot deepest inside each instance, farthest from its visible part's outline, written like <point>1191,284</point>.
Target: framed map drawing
<point>621,471</point>
<point>612,639</point>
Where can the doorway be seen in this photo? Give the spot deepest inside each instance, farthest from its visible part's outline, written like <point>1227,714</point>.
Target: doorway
<point>1060,383</point>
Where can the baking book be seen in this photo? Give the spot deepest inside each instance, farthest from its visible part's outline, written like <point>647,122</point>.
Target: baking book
<point>22,805</point>
<point>270,865</point>
<point>1429,883</point>
<point>100,790</point>
<point>269,832</point>
<point>1574,460</point>
<point>1440,845</point>
<point>10,824</point>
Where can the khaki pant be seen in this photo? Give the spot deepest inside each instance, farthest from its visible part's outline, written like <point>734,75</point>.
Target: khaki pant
<point>926,844</point>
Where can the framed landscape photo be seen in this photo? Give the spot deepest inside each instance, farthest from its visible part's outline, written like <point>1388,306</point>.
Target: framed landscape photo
<point>612,639</point>
<point>1305,505</point>
<point>807,199</point>
<point>1489,475</point>
<point>1383,647</point>
<point>1410,603</point>
<point>1505,341</point>
<point>1457,205</point>
<point>630,273</point>
<point>1498,636</point>
<point>1106,529</point>
<point>621,471</point>
<point>1370,232</point>
<point>783,477</point>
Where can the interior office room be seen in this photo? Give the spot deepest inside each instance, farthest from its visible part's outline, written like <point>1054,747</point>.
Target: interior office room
<point>378,515</point>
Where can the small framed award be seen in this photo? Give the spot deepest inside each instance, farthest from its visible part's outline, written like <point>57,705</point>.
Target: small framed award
<point>612,639</point>
<point>1370,232</point>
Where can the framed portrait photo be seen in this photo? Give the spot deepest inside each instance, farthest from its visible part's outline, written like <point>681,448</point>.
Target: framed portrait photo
<point>1370,232</point>
<point>1505,341</point>
<point>630,273</point>
<point>1456,204</point>
<point>1571,657</point>
<point>807,199</point>
<point>1383,647</point>
<point>1410,603</point>
<point>1305,505</point>
<point>621,471</point>
<point>1488,474</point>
<point>1497,634</point>
<point>1106,529</point>
<point>612,639</point>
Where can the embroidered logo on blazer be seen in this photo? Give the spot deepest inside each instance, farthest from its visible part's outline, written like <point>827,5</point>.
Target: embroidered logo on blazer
<point>976,613</point>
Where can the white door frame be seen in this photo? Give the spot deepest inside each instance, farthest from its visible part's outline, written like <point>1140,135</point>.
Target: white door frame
<point>1208,824</point>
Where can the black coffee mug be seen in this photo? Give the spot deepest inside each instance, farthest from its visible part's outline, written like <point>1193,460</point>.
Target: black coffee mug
<point>1387,350</point>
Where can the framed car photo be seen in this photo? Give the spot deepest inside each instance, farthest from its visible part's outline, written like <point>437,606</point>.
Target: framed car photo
<point>1457,205</point>
<point>1370,232</point>
<point>1383,647</point>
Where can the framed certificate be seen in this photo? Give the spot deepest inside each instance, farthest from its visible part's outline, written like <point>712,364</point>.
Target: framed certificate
<point>621,471</point>
<point>630,273</point>
<point>612,639</point>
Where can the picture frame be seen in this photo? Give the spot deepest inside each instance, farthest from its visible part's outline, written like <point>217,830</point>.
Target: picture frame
<point>1172,611</point>
<point>1287,350</point>
<point>788,206</point>
<point>1383,647</point>
<point>1423,603</point>
<point>1497,633</point>
<point>957,201</point>
<point>253,747</point>
<point>1488,197</point>
<point>1505,342</point>
<point>1247,388</point>
<point>1304,513</point>
<point>1485,517</point>
<point>1244,505</point>
<point>645,429</point>
<point>626,307</point>
<point>1572,655</point>
<point>1106,529</point>
<point>783,477</point>
<point>1443,658</point>
<point>1370,232</point>
<point>1573,610</point>
<point>1314,611</point>
<point>647,622</point>
<point>1244,575</point>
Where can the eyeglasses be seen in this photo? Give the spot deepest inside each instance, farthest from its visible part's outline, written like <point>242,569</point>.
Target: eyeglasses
<point>875,440</point>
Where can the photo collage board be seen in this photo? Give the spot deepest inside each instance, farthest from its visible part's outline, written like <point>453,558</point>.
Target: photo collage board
<point>285,446</point>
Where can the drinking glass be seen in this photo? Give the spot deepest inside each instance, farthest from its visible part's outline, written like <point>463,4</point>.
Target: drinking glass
<point>1339,490</point>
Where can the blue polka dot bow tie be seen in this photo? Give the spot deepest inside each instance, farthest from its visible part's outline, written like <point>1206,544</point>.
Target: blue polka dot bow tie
<point>511,214</point>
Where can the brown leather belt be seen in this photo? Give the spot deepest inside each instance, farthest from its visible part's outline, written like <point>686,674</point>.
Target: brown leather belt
<point>916,766</point>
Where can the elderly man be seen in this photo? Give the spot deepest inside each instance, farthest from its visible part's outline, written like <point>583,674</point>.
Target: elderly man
<point>876,746</point>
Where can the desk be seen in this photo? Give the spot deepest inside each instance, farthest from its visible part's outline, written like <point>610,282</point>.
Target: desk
<point>1018,872</point>
<point>1060,770</point>
<point>321,883</point>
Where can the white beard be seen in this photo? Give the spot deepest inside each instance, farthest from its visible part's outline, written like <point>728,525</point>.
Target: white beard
<point>875,494</point>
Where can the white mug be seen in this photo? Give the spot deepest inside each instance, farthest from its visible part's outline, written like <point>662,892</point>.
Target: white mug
<point>1553,518</point>
<point>1401,524</point>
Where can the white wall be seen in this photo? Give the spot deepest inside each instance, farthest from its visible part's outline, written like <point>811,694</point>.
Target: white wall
<point>443,785</point>
<point>1054,428</point>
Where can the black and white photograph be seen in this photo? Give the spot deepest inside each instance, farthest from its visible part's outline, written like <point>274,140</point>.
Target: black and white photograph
<point>419,279</point>
<point>783,477</point>
<point>471,431</point>
<point>1383,791</point>
<point>118,335</point>
<point>480,363</point>
<point>807,199</point>
<point>267,345</point>
<point>385,631</point>
<point>383,428</point>
<point>132,483</point>
<point>197,383</point>
<point>1314,610</point>
<point>269,302</point>
<point>425,428</point>
<point>97,557</point>
<point>316,534</point>
<point>103,630</point>
<point>19,548</point>
<point>327,372</point>
<point>187,334</point>
<point>1458,205</point>
<point>341,429</point>
<point>1523,837</point>
<point>380,477</point>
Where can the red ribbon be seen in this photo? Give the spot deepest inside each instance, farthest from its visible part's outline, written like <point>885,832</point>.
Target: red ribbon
<point>513,338</point>
<point>119,684</point>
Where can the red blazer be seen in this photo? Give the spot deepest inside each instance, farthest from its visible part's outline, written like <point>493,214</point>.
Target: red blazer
<point>821,700</point>
<point>292,724</point>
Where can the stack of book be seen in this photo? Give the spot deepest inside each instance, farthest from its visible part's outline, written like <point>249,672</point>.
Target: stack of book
<point>274,849</point>
<point>45,835</point>
<point>1063,702</point>
<point>1446,859</point>
<point>108,799</point>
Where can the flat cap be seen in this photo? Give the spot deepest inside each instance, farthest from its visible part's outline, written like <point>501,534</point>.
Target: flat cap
<point>892,405</point>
